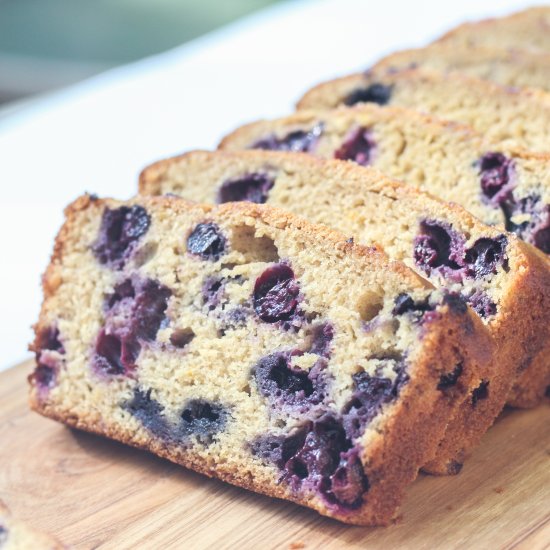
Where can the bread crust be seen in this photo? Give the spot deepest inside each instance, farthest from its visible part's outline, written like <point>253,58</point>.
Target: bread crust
<point>412,426</point>
<point>523,308</point>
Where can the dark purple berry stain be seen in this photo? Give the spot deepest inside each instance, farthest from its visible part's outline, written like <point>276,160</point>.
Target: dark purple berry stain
<point>298,141</point>
<point>450,379</point>
<point>149,412</point>
<point>404,303</point>
<point>496,176</point>
<point>133,316</point>
<point>482,304</point>
<point>486,256</point>
<point>481,392</point>
<point>206,241</point>
<point>48,353</point>
<point>370,394</point>
<point>321,341</point>
<point>284,385</point>
<point>358,147</point>
<point>212,292</point>
<point>118,234</point>
<point>202,419</point>
<point>375,93</point>
<point>497,187</point>
<point>250,187</point>
<point>440,249</point>
<point>276,294</point>
<point>319,457</point>
<point>437,245</point>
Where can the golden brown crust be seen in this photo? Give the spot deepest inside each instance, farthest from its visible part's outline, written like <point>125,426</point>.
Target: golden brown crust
<point>520,309</point>
<point>415,423</point>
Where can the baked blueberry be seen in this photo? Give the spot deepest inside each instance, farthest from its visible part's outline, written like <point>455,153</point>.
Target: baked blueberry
<point>206,241</point>
<point>276,294</point>
<point>149,412</point>
<point>450,379</point>
<point>119,231</point>
<point>481,392</point>
<point>495,173</point>
<point>358,147</point>
<point>375,93</point>
<point>250,187</point>
<point>299,141</point>
<point>486,256</point>
<point>202,419</point>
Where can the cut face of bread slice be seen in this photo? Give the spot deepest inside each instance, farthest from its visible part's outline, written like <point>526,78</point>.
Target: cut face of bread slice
<point>509,116</point>
<point>254,347</point>
<point>502,278</point>
<point>524,30</point>
<point>18,535</point>
<point>505,67</point>
<point>500,185</point>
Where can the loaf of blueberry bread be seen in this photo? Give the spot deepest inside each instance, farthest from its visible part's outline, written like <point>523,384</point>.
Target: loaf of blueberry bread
<point>17,535</point>
<point>505,67</point>
<point>524,30</point>
<point>517,117</point>
<point>500,185</point>
<point>500,276</point>
<point>254,347</point>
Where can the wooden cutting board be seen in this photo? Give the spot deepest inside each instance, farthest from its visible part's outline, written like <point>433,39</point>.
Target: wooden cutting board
<point>95,493</point>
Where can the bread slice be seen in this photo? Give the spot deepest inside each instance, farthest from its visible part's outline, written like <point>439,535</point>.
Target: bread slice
<point>374,209</point>
<point>516,117</point>
<point>505,67</point>
<point>500,185</point>
<point>18,535</point>
<point>524,30</point>
<point>254,347</point>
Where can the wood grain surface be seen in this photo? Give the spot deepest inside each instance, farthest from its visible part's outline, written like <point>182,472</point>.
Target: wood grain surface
<point>95,493</point>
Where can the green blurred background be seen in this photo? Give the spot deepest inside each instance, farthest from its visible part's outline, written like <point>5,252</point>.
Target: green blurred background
<point>47,44</point>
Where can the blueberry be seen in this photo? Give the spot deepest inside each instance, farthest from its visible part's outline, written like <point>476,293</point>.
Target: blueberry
<point>275,378</point>
<point>370,394</point>
<point>358,147</point>
<point>450,379</point>
<point>405,304</point>
<point>482,304</point>
<point>433,247</point>
<point>298,141</point>
<point>134,313</point>
<point>48,339</point>
<point>323,335</point>
<point>44,376</point>
<point>251,188</point>
<point>279,449</point>
<point>149,412</point>
<point>202,419</point>
<point>375,93</point>
<point>119,231</point>
<point>495,171</point>
<point>486,256</point>
<point>481,392</point>
<point>348,483</point>
<point>206,241</point>
<point>541,233</point>
<point>276,294</point>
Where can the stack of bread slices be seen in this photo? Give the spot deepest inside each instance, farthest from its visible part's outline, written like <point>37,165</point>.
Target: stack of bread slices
<point>333,300</point>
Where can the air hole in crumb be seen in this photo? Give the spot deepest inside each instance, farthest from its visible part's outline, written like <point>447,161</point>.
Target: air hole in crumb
<point>254,248</point>
<point>246,389</point>
<point>369,306</point>
<point>181,337</point>
<point>145,254</point>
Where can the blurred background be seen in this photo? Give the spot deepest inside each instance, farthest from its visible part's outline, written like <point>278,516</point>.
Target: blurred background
<point>48,44</point>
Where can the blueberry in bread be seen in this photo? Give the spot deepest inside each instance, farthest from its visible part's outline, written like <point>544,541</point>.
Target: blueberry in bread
<point>524,30</point>
<point>502,278</point>
<point>500,185</point>
<point>254,347</point>
<point>505,67</point>
<point>18,535</point>
<point>516,117</point>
